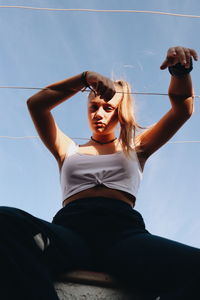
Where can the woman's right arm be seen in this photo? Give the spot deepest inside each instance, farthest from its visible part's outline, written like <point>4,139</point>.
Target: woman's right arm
<point>41,104</point>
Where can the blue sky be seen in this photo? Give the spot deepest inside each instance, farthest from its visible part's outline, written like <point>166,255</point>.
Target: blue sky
<point>41,47</point>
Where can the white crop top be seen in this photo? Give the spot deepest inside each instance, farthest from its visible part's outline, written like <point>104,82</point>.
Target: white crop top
<point>83,171</point>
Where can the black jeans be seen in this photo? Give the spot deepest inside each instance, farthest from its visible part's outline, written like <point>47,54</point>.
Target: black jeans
<point>99,234</point>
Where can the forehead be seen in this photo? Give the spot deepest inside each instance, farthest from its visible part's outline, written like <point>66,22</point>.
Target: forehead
<point>96,99</point>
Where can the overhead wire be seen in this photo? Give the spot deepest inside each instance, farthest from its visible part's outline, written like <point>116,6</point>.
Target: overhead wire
<point>98,11</point>
<point>101,10</point>
<point>88,90</point>
<point>83,138</point>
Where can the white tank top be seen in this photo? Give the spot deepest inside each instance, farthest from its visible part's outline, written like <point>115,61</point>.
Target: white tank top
<point>83,171</point>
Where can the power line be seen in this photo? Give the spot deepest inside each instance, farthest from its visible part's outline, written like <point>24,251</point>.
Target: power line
<point>83,138</point>
<point>22,88</point>
<point>88,90</point>
<point>184,142</point>
<point>101,10</point>
<point>18,137</point>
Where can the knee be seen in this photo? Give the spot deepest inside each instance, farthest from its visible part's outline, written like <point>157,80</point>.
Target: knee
<point>7,210</point>
<point>9,215</point>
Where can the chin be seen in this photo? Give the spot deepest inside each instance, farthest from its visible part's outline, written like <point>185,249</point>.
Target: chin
<point>98,130</point>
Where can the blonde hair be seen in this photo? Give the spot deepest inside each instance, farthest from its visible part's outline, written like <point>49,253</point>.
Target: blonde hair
<point>126,117</point>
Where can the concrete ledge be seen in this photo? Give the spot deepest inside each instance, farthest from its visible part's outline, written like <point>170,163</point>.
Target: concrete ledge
<point>86,285</point>
<point>75,291</point>
<point>89,277</point>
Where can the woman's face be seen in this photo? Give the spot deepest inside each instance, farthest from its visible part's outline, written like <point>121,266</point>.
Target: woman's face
<point>102,115</point>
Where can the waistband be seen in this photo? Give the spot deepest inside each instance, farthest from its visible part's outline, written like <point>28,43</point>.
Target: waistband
<point>99,211</point>
<point>105,201</point>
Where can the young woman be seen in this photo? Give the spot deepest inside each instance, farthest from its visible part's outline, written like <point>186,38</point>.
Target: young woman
<point>98,228</point>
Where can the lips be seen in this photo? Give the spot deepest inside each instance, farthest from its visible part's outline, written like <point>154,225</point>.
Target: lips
<point>99,124</point>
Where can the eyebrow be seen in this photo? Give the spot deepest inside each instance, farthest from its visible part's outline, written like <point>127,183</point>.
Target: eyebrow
<point>106,103</point>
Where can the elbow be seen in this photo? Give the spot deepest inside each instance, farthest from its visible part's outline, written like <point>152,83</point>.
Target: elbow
<point>188,114</point>
<point>184,114</point>
<point>190,109</point>
<point>41,101</point>
<point>34,104</point>
<point>183,106</point>
<point>29,103</point>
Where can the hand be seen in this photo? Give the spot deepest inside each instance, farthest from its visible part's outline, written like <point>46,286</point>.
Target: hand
<point>103,86</point>
<point>179,55</point>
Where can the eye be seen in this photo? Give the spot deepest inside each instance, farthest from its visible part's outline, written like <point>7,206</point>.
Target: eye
<point>93,107</point>
<point>109,108</point>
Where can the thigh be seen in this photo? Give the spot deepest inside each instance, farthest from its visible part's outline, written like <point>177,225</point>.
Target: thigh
<point>58,248</point>
<point>33,253</point>
<point>146,261</point>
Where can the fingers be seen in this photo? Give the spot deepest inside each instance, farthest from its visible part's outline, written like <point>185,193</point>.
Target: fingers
<point>103,86</point>
<point>106,90</point>
<point>194,54</point>
<point>170,59</point>
<point>180,55</point>
<point>187,56</point>
<point>164,64</point>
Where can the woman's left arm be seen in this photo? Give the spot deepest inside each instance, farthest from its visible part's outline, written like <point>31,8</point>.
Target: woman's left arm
<point>181,96</point>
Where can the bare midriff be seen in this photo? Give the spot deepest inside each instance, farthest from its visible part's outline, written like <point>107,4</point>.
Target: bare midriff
<point>102,191</point>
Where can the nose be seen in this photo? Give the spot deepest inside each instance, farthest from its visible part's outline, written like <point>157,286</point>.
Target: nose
<point>99,113</point>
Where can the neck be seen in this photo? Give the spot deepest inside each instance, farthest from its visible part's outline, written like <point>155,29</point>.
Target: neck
<point>104,138</point>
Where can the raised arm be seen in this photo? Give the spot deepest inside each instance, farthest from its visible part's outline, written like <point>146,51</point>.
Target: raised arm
<point>181,96</point>
<point>41,104</point>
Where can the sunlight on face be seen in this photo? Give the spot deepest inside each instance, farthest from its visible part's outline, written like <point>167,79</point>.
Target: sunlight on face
<point>103,115</point>
<point>114,101</point>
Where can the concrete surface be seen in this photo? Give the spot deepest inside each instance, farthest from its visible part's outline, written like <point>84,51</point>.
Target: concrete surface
<point>86,285</point>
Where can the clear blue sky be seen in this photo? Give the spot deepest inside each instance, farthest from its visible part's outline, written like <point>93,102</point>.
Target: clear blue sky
<point>41,47</point>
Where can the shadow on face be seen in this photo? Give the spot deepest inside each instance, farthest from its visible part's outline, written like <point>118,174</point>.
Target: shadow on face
<point>103,115</point>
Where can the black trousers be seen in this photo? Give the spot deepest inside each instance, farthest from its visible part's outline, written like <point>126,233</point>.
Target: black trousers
<point>99,234</point>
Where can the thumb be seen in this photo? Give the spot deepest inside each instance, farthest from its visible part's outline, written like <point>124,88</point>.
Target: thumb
<point>164,64</point>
